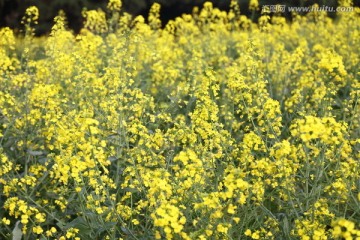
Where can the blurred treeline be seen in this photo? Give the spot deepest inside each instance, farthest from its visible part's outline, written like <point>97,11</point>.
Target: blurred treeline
<point>11,11</point>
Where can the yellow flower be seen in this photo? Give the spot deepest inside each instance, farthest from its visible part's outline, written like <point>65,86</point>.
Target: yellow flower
<point>24,219</point>
<point>5,221</point>
<point>255,235</point>
<point>31,14</point>
<point>222,228</point>
<point>253,5</point>
<point>231,209</point>
<point>114,5</point>
<point>40,217</point>
<point>135,222</point>
<point>157,235</point>
<point>38,230</point>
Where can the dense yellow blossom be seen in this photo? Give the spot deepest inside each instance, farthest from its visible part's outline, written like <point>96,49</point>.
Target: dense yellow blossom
<point>211,127</point>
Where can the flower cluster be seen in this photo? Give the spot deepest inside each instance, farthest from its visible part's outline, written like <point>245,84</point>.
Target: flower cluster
<point>211,127</point>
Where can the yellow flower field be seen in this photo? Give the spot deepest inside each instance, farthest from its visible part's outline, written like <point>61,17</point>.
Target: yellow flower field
<point>213,127</point>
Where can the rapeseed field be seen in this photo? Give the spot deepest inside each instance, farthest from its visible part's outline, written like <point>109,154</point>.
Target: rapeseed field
<point>212,127</point>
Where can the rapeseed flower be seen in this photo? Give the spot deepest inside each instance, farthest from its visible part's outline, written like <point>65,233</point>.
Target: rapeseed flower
<point>212,126</point>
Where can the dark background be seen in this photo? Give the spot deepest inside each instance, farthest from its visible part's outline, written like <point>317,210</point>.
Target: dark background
<point>11,11</point>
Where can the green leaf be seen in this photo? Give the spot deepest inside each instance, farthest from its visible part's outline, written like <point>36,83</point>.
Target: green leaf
<point>17,233</point>
<point>35,153</point>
